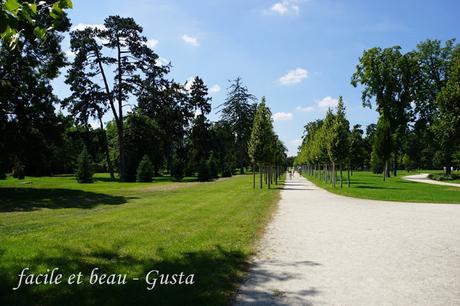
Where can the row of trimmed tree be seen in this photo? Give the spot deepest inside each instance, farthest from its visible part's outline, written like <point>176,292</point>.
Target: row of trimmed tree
<point>326,147</point>
<point>417,96</point>
<point>266,150</point>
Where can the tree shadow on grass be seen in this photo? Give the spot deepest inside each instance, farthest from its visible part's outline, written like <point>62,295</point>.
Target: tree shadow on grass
<point>217,274</point>
<point>28,199</point>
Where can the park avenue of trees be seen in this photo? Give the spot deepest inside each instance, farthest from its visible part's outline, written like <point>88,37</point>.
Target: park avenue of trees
<point>166,129</point>
<point>417,96</point>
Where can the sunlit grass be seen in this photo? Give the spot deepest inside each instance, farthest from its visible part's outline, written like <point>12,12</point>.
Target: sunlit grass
<point>371,186</point>
<point>208,229</point>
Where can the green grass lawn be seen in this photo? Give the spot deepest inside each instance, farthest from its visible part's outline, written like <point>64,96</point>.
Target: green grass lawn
<point>367,185</point>
<point>207,229</point>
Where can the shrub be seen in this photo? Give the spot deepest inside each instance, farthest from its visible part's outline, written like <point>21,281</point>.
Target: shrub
<point>376,163</point>
<point>84,172</point>
<point>213,168</point>
<point>18,170</point>
<point>443,176</point>
<point>227,170</point>
<point>145,170</point>
<point>408,164</point>
<point>203,171</point>
<point>178,168</point>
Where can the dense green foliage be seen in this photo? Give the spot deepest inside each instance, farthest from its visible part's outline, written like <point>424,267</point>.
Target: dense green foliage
<point>326,144</point>
<point>19,20</point>
<point>417,96</point>
<point>238,112</point>
<point>30,130</point>
<point>84,173</point>
<point>112,64</point>
<point>145,170</point>
<point>265,148</point>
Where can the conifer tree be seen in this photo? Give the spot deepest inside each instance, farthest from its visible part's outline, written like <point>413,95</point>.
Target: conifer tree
<point>84,172</point>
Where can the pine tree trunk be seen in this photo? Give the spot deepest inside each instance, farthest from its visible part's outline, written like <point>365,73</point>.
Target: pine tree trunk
<point>106,148</point>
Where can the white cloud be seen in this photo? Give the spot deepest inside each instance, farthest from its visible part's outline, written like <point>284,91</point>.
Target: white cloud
<point>282,116</point>
<point>294,76</point>
<point>214,88</point>
<point>285,7</point>
<point>279,8</point>
<point>190,40</point>
<point>305,109</point>
<point>82,26</point>
<point>152,43</point>
<point>327,102</point>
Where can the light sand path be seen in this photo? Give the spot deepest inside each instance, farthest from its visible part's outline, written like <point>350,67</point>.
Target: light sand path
<point>423,178</point>
<point>325,249</point>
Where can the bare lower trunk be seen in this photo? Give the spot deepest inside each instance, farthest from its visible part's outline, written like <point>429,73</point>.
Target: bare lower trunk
<point>269,177</point>
<point>333,175</point>
<point>260,175</point>
<point>253,177</point>
<point>395,165</point>
<point>348,177</point>
<point>340,175</point>
<point>106,148</point>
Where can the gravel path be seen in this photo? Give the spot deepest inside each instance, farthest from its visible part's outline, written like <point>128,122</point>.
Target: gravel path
<point>423,178</point>
<point>325,249</point>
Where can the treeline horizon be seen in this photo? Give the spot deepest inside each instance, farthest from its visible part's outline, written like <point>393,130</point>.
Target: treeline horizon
<point>417,96</point>
<point>168,128</point>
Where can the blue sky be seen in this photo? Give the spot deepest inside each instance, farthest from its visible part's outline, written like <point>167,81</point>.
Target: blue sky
<point>300,54</point>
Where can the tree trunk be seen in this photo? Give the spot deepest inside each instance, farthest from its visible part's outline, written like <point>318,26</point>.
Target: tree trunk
<point>121,140</point>
<point>269,176</point>
<point>121,150</point>
<point>395,165</point>
<point>276,174</point>
<point>348,177</point>
<point>386,171</point>
<point>253,177</point>
<point>340,175</point>
<point>333,174</point>
<point>260,175</point>
<point>106,148</point>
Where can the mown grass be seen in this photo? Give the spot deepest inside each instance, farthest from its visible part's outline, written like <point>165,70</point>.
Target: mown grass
<point>207,229</point>
<point>367,185</point>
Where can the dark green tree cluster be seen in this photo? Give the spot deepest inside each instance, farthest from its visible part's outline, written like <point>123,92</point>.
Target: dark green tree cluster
<point>31,132</point>
<point>415,97</point>
<point>113,72</point>
<point>265,149</point>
